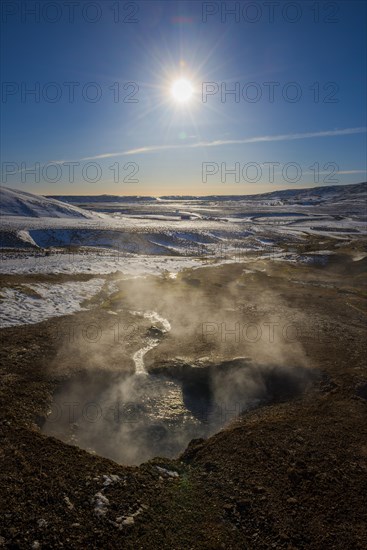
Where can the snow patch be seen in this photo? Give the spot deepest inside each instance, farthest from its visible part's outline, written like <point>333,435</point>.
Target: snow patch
<point>34,303</point>
<point>110,479</point>
<point>101,504</point>
<point>169,473</point>
<point>26,238</point>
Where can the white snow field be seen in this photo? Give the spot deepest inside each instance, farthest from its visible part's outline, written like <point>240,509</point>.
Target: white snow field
<point>33,303</point>
<point>125,230</point>
<point>140,236</point>
<point>135,227</point>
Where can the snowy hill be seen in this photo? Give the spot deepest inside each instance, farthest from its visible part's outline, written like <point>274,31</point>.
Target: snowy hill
<point>314,195</point>
<point>322,194</point>
<point>19,203</point>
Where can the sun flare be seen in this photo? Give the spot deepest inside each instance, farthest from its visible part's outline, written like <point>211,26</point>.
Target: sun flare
<point>182,90</point>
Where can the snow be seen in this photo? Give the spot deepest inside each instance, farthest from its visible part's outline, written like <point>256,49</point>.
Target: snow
<point>94,263</point>
<point>110,479</point>
<point>169,473</point>
<point>20,203</point>
<point>25,237</point>
<point>101,503</point>
<point>40,235</point>
<point>130,520</point>
<point>33,303</point>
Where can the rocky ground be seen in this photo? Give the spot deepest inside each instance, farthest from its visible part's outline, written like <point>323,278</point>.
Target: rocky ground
<point>289,474</point>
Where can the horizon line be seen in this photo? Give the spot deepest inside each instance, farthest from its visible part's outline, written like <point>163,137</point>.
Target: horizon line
<point>207,195</point>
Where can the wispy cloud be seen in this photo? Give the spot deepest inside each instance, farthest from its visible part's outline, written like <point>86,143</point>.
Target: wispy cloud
<point>218,143</point>
<point>351,172</point>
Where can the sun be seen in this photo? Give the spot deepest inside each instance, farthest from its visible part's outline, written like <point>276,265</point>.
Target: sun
<point>182,90</point>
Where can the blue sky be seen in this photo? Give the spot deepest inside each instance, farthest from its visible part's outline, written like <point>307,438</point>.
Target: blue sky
<point>312,130</point>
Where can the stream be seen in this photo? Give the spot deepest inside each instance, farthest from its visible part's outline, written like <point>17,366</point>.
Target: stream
<point>138,356</point>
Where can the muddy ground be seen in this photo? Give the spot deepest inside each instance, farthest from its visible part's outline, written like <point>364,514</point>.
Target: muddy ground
<point>290,474</point>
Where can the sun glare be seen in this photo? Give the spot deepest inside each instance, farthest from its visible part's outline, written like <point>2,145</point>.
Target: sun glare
<point>182,90</point>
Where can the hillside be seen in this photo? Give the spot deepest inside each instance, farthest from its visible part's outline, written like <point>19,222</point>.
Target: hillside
<point>19,203</point>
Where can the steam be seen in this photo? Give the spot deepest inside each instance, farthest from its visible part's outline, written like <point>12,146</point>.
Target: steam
<point>208,352</point>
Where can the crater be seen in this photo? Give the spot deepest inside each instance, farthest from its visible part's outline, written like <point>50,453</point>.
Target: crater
<point>134,418</point>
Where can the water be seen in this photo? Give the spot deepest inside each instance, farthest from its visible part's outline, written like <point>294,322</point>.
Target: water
<point>138,356</point>
<point>133,418</point>
<point>130,419</point>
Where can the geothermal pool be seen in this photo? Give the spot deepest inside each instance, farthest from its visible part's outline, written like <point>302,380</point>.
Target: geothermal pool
<point>131,419</point>
<point>134,418</point>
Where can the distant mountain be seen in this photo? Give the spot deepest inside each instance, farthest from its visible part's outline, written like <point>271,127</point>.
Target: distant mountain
<point>19,203</point>
<point>312,195</point>
<point>93,199</point>
<point>319,194</point>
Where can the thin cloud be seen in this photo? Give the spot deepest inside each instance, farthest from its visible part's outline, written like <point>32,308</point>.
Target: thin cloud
<point>137,151</point>
<point>351,172</point>
<point>218,143</point>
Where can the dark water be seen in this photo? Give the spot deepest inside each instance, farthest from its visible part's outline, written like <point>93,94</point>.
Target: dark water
<point>133,419</point>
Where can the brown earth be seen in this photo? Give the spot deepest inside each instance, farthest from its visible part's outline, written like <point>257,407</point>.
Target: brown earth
<point>291,475</point>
